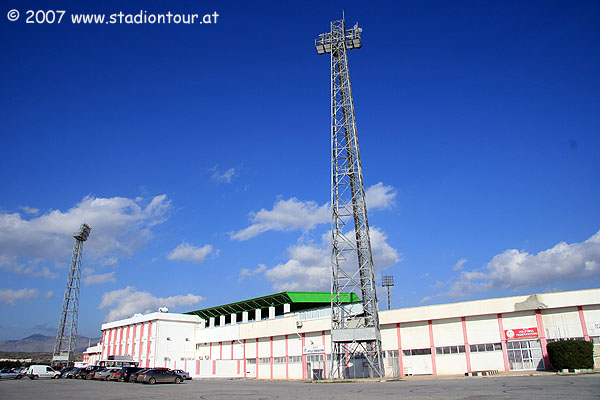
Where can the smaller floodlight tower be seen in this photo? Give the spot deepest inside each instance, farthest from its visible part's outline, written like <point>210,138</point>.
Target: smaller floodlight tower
<point>66,338</point>
<point>388,282</point>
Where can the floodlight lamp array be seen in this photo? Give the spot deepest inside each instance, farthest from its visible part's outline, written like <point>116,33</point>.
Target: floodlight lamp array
<point>84,232</point>
<point>387,280</point>
<point>324,43</point>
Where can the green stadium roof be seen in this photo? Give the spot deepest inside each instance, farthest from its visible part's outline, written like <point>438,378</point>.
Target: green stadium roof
<point>296,300</point>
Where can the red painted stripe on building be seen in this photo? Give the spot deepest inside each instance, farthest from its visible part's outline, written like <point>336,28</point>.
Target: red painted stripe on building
<point>399,338</point>
<point>503,341</point>
<point>324,357</point>
<point>104,345</point>
<point>303,358</point>
<point>287,368</point>
<point>121,341</point>
<point>586,335</point>
<point>197,367</point>
<point>114,344</point>
<point>232,352</point>
<point>148,346</point>
<point>466,342</point>
<point>542,334</point>
<point>256,358</point>
<point>432,346</point>
<point>108,343</point>
<point>271,346</point>
<point>127,340</point>
<point>141,342</point>
<point>133,341</point>
<point>214,367</point>
<point>244,357</point>
<point>210,351</point>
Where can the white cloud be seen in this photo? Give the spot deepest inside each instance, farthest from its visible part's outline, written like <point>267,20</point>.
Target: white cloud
<point>247,272</point>
<point>459,265</point>
<point>191,253</point>
<point>125,302</point>
<point>119,227</point>
<point>286,215</point>
<point>515,269</point>
<point>10,296</point>
<point>223,177</point>
<point>309,266</point>
<point>97,279</point>
<point>29,210</point>
<point>380,196</point>
<point>109,261</point>
<point>30,268</point>
<point>49,294</point>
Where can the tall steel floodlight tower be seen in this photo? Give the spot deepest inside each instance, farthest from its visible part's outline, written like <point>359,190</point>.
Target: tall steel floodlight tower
<point>66,338</point>
<point>355,333</point>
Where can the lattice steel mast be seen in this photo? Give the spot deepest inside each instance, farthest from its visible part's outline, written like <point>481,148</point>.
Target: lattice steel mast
<point>355,335</point>
<point>66,338</point>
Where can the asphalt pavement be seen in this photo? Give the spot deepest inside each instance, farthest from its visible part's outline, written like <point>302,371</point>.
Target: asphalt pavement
<point>471,388</point>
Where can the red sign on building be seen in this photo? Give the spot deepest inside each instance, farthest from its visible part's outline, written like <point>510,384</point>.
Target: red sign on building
<point>521,333</point>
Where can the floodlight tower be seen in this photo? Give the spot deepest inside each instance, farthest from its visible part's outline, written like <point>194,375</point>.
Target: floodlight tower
<point>388,282</point>
<point>66,338</point>
<point>355,335</point>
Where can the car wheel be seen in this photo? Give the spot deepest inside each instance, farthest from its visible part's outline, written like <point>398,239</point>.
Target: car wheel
<point>34,377</point>
<point>177,379</point>
<point>152,381</point>
<point>121,379</point>
<point>88,377</point>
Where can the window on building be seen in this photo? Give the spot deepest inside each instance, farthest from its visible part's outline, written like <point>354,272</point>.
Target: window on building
<point>450,350</point>
<point>391,354</point>
<point>295,359</point>
<point>251,361</point>
<point>416,352</point>
<point>480,348</point>
<point>264,360</point>
<point>279,360</point>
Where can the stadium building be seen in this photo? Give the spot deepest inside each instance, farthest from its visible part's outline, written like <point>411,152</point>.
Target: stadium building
<point>287,336</point>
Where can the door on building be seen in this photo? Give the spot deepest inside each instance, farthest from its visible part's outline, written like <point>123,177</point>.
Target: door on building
<point>392,364</point>
<point>315,367</point>
<point>525,354</point>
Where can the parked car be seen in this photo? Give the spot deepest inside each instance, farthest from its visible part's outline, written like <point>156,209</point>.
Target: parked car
<point>133,377</point>
<point>42,371</point>
<point>103,374</point>
<point>153,376</point>
<point>10,374</point>
<point>71,373</point>
<point>88,373</point>
<point>183,374</point>
<point>64,371</point>
<point>124,373</point>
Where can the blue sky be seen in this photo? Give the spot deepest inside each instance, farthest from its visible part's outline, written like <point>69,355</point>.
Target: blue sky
<point>199,154</point>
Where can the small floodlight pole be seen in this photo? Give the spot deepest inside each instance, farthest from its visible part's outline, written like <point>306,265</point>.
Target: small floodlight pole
<point>388,282</point>
<point>66,338</point>
<point>355,334</point>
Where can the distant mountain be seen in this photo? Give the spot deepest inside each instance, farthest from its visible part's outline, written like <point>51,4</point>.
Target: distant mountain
<point>42,343</point>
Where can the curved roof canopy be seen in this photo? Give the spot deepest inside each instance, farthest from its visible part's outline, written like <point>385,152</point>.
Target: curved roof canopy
<point>297,301</point>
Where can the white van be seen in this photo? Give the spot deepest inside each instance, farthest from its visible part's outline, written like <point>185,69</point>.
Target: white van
<point>42,371</point>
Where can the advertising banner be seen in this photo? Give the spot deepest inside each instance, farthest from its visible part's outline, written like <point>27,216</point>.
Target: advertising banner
<point>314,349</point>
<point>521,333</point>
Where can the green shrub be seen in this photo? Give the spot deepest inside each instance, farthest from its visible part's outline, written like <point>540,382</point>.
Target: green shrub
<point>571,354</point>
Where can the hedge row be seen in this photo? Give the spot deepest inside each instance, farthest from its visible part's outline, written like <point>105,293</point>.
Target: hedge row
<point>571,354</point>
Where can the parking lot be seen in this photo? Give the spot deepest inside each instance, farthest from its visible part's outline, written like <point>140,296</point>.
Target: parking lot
<point>510,388</point>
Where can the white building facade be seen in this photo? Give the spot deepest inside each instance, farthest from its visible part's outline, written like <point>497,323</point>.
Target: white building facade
<point>292,340</point>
